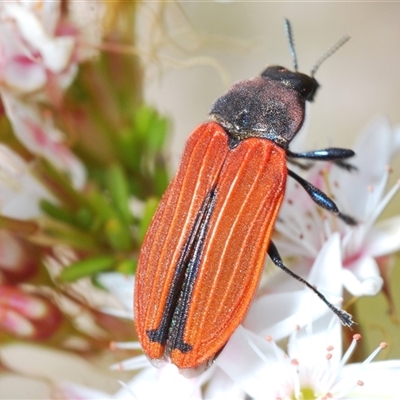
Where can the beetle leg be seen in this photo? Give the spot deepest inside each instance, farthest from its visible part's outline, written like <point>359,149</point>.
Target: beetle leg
<point>331,154</point>
<point>345,318</point>
<point>322,199</point>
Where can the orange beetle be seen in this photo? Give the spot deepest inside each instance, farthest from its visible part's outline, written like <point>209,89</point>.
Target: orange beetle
<point>204,251</point>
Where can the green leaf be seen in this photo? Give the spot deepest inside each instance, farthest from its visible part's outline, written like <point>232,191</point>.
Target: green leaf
<point>150,208</point>
<point>87,267</point>
<point>118,187</point>
<point>56,212</point>
<point>118,234</point>
<point>99,205</point>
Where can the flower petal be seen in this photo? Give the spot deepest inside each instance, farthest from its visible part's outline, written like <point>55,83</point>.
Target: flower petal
<point>384,238</point>
<point>41,137</point>
<point>161,383</point>
<point>277,314</point>
<point>363,279</point>
<point>120,286</point>
<point>380,379</point>
<point>55,52</point>
<point>375,144</point>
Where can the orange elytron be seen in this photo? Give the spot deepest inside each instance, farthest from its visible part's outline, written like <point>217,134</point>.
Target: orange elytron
<point>203,254</point>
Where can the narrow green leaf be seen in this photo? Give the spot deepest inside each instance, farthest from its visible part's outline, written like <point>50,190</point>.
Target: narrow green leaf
<point>87,267</point>
<point>56,212</point>
<point>118,187</point>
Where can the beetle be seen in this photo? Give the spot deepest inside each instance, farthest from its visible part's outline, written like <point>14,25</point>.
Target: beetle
<point>203,254</point>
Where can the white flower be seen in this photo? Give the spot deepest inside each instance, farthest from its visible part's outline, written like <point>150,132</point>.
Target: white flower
<point>303,227</point>
<point>37,132</point>
<point>32,52</point>
<point>313,367</point>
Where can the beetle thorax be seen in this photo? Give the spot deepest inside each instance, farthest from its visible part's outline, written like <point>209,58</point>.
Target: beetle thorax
<point>266,106</point>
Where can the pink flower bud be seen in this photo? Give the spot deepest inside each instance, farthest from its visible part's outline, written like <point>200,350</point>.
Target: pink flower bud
<point>28,316</point>
<point>18,260</point>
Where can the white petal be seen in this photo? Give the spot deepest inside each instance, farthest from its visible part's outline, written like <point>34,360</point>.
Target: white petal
<point>277,314</point>
<point>325,273</point>
<point>309,344</point>
<point>375,144</point>
<point>381,379</point>
<point>254,364</point>
<point>363,279</point>
<point>164,383</point>
<point>20,192</point>
<point>120,286</point>
<point>221,387</point>
<point>384,238</point>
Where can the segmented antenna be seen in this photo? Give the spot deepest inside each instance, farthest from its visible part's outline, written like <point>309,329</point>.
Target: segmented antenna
<point>289,34</point>
<point>330,51</point>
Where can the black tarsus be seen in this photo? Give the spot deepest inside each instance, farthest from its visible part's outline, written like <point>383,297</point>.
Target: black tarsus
<point>321,198</point>
<point>345,318</point>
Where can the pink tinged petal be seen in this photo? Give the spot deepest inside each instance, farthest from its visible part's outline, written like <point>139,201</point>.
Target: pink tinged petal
<point>18,261</point>
<point>40,136</point>
<point>384,238</point>
<point>19,69</point>
<point>55,52</point>
<point>15,324</point>
<point>10,251</point>
<point>28,314</point>
<point>22,76</point>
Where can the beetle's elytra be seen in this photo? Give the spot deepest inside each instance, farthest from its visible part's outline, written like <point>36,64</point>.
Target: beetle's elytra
<point>204,251</point>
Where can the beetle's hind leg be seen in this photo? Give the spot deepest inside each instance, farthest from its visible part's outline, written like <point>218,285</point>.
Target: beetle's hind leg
<point>322,199</point>
<point>345,318</point>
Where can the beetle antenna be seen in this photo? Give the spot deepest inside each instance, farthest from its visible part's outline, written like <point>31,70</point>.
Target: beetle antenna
<point>326,55</point>
<point>289,34</point>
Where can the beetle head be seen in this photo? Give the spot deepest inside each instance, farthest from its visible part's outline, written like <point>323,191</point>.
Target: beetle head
<point>305,85</point>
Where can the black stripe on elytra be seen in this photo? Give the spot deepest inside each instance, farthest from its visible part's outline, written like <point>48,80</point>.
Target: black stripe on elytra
<point>172,325</point>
